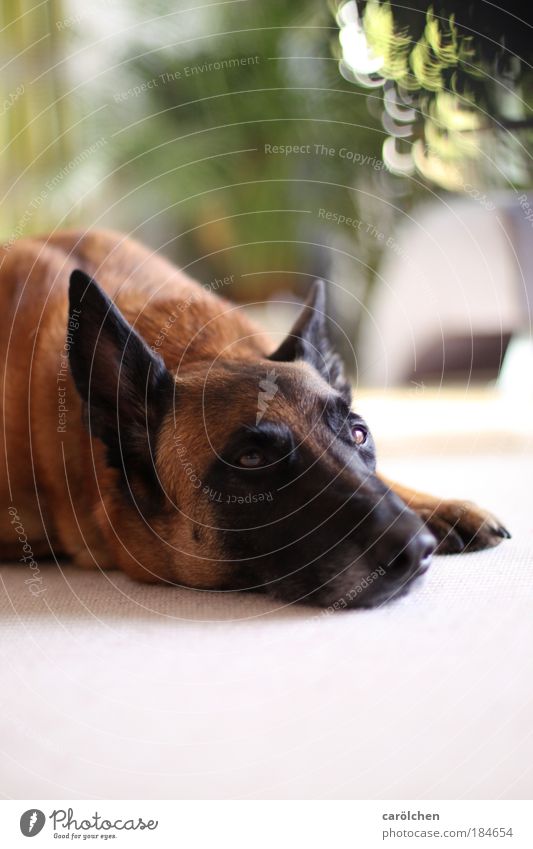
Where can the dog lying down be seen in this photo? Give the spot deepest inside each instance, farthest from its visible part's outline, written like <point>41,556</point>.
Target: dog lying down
<point>150,425</point>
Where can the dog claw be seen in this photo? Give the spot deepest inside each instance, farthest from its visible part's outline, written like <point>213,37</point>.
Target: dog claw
<point>461,527</point>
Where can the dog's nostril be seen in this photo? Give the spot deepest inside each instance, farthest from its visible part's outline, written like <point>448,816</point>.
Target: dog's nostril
<point>427,547</point>
<point>415,557</point>
<point>425,560</point>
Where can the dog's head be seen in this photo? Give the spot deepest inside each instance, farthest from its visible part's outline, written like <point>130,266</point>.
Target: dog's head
<point>240,473</point>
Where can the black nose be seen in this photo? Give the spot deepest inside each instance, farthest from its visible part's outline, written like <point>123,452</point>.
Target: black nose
<point>414,556</point>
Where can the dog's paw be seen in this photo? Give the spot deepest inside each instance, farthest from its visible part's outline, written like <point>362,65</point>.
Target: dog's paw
<point>463,526</point>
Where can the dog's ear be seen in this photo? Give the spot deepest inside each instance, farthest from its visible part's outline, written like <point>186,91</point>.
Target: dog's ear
<point>308,340</point>
<point>125,387</point>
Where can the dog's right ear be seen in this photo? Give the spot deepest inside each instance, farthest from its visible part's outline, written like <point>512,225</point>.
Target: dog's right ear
<point>125,387</point>
<point>309,340</point>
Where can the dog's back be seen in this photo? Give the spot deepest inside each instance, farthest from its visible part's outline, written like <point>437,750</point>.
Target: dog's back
<point>172,440</point>
<point>43,466</point>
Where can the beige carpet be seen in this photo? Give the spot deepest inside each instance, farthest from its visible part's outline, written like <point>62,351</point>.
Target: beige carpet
<point>114,690</point>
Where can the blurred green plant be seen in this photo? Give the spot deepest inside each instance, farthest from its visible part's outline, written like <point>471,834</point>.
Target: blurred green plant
<point>203,122</point>
<point>225,134</point>
<point>457,78</point>
<point>42,174</point>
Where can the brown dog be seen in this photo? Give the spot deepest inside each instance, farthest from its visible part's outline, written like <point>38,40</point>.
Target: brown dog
<point>150,425</point>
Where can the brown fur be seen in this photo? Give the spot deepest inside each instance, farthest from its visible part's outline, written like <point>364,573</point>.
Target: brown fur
<point>73,486</point>
<point>59,482</point>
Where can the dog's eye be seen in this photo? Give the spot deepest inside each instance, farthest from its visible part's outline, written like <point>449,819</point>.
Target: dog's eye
<point>359,434</point>
<point>252,460</point>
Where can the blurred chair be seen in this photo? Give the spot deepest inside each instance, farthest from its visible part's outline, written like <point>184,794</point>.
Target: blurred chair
<point>449,296</point>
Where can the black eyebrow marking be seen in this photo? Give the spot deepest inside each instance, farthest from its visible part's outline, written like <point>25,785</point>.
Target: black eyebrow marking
<point>265,432</point>
<point>337,413</point>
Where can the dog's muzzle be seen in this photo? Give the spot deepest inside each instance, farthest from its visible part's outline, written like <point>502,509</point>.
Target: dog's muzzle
<point>367,553</point>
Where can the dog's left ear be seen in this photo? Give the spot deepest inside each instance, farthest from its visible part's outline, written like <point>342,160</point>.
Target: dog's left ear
<point>125,387</point>
<point>308,340</point>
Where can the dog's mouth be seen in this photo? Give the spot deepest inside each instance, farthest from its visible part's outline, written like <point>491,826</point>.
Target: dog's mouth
<point>356,585</point>
<point>388,591</point>
<point>346,550</point>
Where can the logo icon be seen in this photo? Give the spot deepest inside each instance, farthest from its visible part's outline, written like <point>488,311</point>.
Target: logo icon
<point>32,822</point>
<point>267,390</point>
